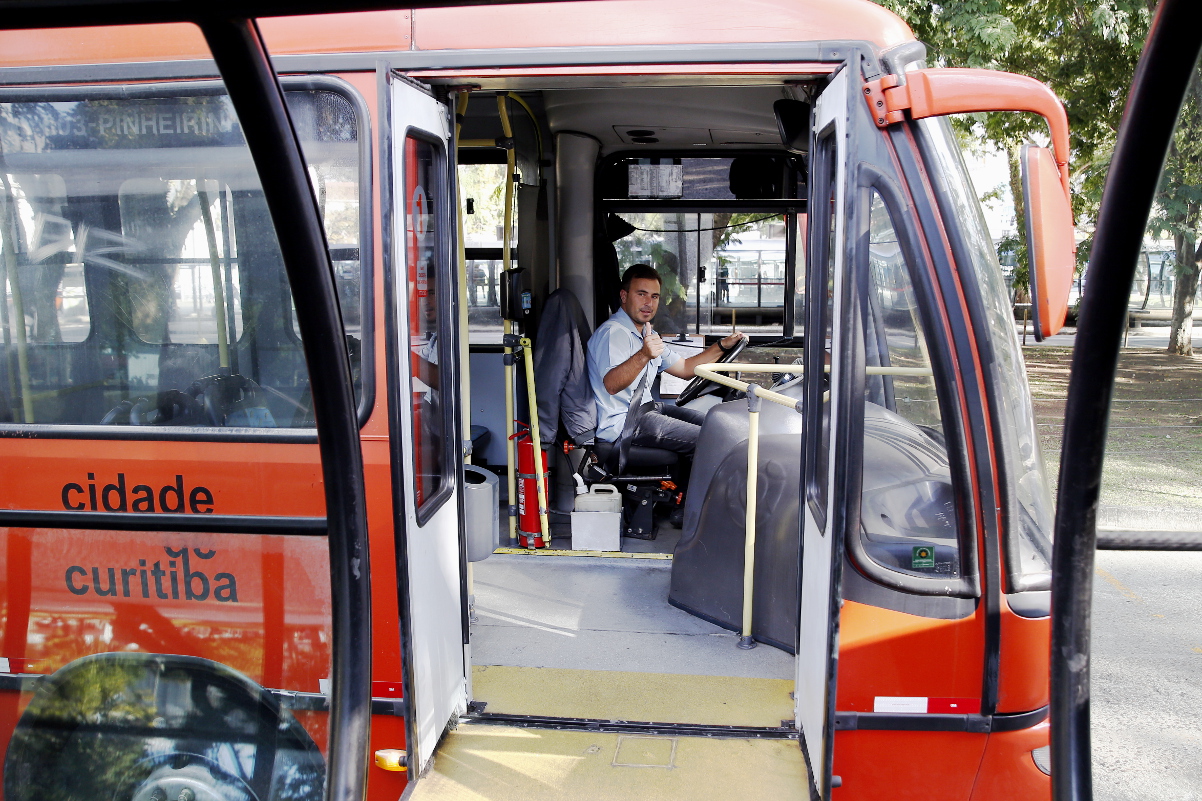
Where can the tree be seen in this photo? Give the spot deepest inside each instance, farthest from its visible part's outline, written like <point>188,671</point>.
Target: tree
<point>1178,213</point>
<point>1085,50</point>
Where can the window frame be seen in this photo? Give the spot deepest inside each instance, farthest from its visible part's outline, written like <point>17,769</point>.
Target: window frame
<point>967,584</point>
<point>206,87</point>
<point>824,180</point>
<point>446,290</point>
<point>790,207</point>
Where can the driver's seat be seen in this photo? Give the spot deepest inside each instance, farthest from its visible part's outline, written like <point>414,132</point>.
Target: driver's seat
<point>642,471</point>
<point>566,405</point>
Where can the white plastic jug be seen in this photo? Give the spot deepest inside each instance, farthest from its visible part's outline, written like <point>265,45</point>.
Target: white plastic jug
<point>600,498</point>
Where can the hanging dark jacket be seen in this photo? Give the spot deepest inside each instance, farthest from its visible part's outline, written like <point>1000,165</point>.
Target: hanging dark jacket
<point>561,371</point>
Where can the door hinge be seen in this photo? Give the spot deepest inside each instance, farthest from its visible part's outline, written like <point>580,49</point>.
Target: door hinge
<point>888,100</point>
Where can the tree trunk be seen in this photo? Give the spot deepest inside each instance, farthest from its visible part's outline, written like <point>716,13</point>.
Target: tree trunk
<point>1022,269</point>
<point>1181,335</point>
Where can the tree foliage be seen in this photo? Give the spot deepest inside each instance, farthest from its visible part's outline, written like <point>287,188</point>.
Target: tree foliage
<point>1086,51</point>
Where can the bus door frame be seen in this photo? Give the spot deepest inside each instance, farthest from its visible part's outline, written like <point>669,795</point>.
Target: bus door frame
<point>436,660</point>
<point>826,513</point>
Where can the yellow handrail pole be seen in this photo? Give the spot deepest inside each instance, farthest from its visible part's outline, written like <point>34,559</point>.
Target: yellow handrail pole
<point>714,372</point>
<point>223,334</point>
<point>14,281</point>
<point>506,229</point>
<point>746,641</point>
<point>538,134</point>
<point>540,475</point>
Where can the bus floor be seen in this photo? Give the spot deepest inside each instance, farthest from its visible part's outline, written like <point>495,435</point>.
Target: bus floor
<point>501,763</point>
<point>594,637</point>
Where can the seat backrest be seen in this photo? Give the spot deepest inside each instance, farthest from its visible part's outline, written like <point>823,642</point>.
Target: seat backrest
<point>561,370</point>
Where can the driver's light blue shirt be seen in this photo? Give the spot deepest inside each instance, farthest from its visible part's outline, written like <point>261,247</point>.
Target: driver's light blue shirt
<point>615,341</point>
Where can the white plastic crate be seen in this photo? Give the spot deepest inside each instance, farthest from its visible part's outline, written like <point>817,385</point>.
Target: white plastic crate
<point>597,531</point>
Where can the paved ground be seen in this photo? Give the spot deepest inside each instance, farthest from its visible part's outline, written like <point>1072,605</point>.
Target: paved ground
<point>1146,666</point>
<point>1153,473</point>
<point>1147,676</point>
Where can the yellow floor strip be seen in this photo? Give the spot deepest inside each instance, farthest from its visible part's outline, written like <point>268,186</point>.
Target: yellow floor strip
<point>618,695</point>
<point>557,552</point>
<point>496,763</point>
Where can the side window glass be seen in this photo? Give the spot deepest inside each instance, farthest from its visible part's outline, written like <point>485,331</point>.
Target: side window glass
<point>143,283</point>
<point>718,268</point>
<point>908,519</point>
<point>46,286</point>
<point>482,195</point>
<point>426,265</point>
<point>187,289</point>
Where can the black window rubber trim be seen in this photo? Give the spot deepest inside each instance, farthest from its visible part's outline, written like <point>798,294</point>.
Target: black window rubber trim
<point>871,178</point>
<point>258,98</point>
<point>289,699</point>
<point>980,724</point>
<point>978,401</point>
<point>135,521</point>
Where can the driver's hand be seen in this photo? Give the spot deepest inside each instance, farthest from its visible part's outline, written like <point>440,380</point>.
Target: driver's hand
<point>653,345</point>
<point>732,340</point>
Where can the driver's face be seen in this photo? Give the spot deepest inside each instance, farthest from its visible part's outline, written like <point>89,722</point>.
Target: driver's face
<point>641,301</point>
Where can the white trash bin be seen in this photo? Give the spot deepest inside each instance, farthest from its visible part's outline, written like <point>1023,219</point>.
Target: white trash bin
<point>597,520</point>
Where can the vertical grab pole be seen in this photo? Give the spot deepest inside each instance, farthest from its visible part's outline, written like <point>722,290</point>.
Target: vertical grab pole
<point>223,336</point>
<point>540,476</point>
<point>465,373</point>
<point>507,229</point>
<point>14,282</point>
<point>465,386</point>
<point>753,459</point>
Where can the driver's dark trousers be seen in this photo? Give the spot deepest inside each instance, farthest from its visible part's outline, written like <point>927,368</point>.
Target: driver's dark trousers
<point>672,428</point>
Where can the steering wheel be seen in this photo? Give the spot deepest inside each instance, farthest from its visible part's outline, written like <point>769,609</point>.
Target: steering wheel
<point>703,386</point>
<point>223,394</point>
<point>171,407</point>
<point>209,401</point>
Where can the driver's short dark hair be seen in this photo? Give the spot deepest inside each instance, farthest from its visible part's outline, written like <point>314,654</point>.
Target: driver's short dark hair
<point>639,271</point>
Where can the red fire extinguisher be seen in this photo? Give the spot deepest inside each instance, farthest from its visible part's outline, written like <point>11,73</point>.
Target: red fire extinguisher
<point>529,530</point>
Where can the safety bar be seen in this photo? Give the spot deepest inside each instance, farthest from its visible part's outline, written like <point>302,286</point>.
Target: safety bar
<point>755,394</point>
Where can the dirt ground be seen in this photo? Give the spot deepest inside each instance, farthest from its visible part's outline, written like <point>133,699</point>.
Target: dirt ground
<point>1153,473</point>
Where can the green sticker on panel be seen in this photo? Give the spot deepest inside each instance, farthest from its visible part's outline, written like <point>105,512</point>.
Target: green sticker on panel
<point>923,556</point>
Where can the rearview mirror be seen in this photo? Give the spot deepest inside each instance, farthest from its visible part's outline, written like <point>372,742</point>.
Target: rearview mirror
<point>923,93</point>
<point>1050,242</point>
<point>793,120</point>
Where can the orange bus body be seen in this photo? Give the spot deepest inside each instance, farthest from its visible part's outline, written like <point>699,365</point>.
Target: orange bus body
<point>71,593</point>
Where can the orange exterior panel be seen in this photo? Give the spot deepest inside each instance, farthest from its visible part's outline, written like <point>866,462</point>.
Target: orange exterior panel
<point>1023,672</point>
<point>228,478</point>
<point>1008,772</point>
<point>162,42</point>
<point>887,653</point>
<point>651,22</point>
<point>592,23</point>
<point>907,766</point>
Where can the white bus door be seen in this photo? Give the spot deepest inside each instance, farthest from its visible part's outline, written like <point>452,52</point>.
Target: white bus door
<point>822,536</point>
<point>423,402</point>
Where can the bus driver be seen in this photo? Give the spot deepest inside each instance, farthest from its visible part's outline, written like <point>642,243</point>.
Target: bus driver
<point>625,348</point>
